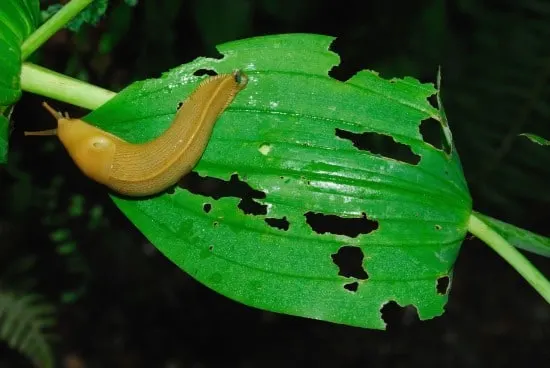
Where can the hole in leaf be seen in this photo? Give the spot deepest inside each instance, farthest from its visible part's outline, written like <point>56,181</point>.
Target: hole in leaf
<point>433,101</point>
<point>207,207</point>
<point>211,248</point>
<point>251,207</point>
<point>281,224</point>
<point>396,316</point>
<point>352,227</point>
<point>180,104</point>
<point>438,227</point>
<point>432,133</point>
<point>350,61</point>
<point>352,286</point>
<point>349,260</point>
<point>380,144</point>
<point>218,188</point>
<point>443,285</point>
<point>201,72</point>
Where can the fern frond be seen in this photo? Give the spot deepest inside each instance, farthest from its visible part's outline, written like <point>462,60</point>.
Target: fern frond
<point>23,322</point>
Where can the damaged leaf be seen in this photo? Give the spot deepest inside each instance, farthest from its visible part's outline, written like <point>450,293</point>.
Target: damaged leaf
<point>18,19</point>
<point>315,197</point>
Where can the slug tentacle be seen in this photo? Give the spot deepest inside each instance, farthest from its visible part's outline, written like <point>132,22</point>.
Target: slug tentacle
<point>56,114</point>
<point>43,132</point>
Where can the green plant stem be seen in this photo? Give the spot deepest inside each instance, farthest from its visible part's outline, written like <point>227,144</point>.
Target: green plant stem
<point>45,82</point>
<point>51,26</point>
<point>511,255</point>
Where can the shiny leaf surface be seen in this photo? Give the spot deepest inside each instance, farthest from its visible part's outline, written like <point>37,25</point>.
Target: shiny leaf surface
<point>314,197</point>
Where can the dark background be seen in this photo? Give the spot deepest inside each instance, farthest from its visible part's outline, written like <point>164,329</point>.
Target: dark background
<point>122,304</point>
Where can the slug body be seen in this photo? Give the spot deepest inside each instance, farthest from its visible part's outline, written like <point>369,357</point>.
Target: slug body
<point>152,167</point>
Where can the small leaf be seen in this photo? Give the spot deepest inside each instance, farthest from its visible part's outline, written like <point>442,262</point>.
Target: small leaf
<point>314,197</point>
<point>60,235</point>
<point>92,14</point>
<point>536,139</point>
<point>76,207</point>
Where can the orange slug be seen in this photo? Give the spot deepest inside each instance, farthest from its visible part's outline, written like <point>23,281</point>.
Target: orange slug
<point>152,167</point>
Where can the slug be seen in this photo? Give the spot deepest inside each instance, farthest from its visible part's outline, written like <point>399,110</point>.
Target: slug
<point>152,167</point>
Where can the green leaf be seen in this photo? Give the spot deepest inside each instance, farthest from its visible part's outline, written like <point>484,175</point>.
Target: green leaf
<point>519,238</point>
<point>23,321</point>
<point>92,14</point>
<point>536,139</point>
<point>284,212</point>
<point>18,18</point>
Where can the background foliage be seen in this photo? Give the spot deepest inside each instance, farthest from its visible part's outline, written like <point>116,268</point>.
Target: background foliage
<point>120,303</point>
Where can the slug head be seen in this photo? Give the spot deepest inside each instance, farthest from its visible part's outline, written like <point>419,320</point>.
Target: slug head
<point>91,149</point>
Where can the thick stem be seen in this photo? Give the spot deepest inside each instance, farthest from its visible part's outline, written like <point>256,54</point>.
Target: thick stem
<point>517,260</point>
<point>48,83</point>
